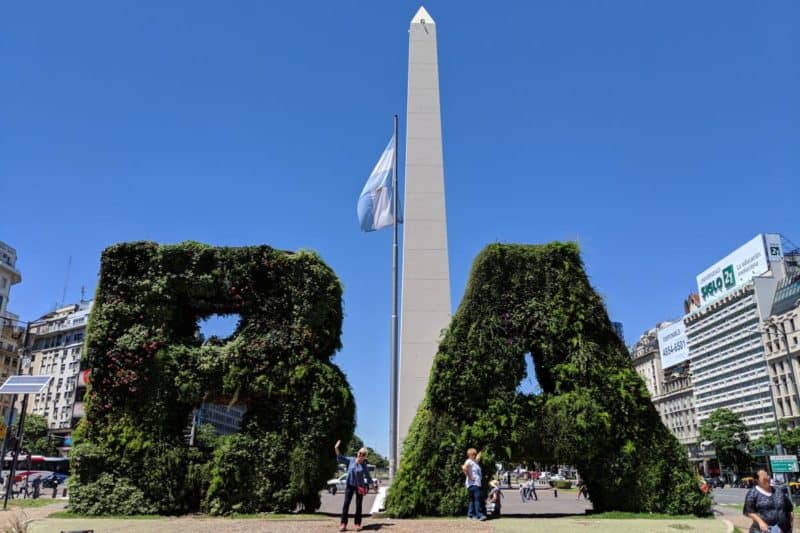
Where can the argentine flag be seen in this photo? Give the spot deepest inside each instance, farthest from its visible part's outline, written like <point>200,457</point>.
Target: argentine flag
<point>376,203</point>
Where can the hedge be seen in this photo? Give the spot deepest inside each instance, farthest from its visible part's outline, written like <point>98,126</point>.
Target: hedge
<point>150,369</point>
<point>594,411</point>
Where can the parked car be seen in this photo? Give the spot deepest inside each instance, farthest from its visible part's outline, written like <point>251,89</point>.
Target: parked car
<point>715,482</point>
<point>340,483</point>
<point>337,484</point>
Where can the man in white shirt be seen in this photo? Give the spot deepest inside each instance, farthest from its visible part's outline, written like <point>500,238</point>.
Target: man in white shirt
<point>472,471</point>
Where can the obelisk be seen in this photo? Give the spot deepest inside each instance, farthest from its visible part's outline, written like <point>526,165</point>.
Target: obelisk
<point>426,274</point>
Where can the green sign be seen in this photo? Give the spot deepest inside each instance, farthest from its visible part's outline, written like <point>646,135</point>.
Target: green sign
<point>783,463</point>
<point>721,283</point>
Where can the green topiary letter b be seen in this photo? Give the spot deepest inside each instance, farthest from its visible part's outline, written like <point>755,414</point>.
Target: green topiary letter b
<point>150,369</point>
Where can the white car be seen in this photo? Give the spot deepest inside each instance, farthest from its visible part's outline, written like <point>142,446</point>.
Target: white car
<point>557,477</point>
<point>337,483</point>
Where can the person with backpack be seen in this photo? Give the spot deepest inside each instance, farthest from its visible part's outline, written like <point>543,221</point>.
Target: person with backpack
<point>770,508</point>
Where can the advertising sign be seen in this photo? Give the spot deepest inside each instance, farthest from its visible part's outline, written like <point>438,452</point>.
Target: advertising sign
<point>774,247</point>
<point>783,463</point>
<point>735,270</point>
<point>672,344</point>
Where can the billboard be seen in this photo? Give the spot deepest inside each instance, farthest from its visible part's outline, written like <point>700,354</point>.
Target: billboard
<point>774,247</point>
<point>672,344</point>
<point>733,271</point>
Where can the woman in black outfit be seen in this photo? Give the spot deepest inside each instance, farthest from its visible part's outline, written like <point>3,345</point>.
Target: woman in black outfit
<point>770,507</point>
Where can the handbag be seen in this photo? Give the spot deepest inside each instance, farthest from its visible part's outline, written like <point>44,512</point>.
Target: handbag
<point>362,489</point>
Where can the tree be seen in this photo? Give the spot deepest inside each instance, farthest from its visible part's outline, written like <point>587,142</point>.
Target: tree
<point>35,438</point>
<point>790,438</point>
<point>728,434</point>
<point>355,444</point>
<point>373,457</point>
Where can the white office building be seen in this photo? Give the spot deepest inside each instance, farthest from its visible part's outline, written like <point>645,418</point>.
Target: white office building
<point>661,358</point>
<point>55,347</point>
<point>724,335</point>
<point>9,276</point>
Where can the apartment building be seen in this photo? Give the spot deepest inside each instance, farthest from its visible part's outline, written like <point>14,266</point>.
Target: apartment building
<point>55,346</point>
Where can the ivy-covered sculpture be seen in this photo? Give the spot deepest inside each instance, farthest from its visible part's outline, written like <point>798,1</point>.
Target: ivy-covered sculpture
<point>594,411</point>
<point>150,368</point>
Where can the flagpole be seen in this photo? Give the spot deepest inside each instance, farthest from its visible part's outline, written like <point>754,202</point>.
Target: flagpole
<point>394,356</point>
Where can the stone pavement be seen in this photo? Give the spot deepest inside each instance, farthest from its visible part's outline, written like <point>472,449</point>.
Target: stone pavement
<point>216,525</point>
<point>550,514</point>
<point>329,525</point>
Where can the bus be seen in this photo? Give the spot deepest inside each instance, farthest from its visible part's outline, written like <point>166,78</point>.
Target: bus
<point>33,466</point>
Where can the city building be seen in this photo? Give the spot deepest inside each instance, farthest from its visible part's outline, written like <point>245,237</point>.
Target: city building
<point>10,342</point>
<point>619,330</point>
<point>660,356</point>
<point>647,361</point>
<point>729,369</point>
<point>737,347</point>
<point>226,420</point>
<point>9,276</point>
<point>780,336</point>
<point>11,333</point>
<point>55,349</point>
<point>675,405</point>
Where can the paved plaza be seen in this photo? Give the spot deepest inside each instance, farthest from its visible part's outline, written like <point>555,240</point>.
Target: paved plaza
<point>564,513</point>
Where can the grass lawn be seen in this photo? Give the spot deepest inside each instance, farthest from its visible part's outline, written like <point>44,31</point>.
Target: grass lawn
<point>254,516</point>
<point>30,502</point>
<point>70,514</point>
<point>609,525</point>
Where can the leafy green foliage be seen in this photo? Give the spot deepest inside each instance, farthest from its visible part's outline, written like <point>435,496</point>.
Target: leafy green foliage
<point>594,411</point>
<point>150,369</point>
<point>373,457</point>
<point>108,495</point>
<point>35,438</point>
<point>790,438</point>
<point>206,437</point>
<point>728,435</point>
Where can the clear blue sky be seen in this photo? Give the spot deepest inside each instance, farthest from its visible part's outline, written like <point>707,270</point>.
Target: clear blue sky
<point>662,135</point>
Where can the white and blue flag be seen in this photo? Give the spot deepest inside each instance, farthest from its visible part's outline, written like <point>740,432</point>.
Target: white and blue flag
<point>376,203</point>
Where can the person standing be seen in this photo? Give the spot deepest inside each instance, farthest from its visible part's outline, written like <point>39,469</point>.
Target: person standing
<point>532,490</point>
<point>358,483</point>
<point>770,508</point>
<point>495,499</point>
<point>37,484</point>
<point>472,471</point>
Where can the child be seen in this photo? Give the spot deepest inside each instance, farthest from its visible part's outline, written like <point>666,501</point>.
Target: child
<point>495,497</point>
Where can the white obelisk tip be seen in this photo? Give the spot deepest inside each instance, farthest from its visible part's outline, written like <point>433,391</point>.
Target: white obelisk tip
<point>422,16</point>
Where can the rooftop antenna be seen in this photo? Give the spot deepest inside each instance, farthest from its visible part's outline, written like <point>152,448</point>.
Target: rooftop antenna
<point>83,293</point>
<point>66,281</point>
